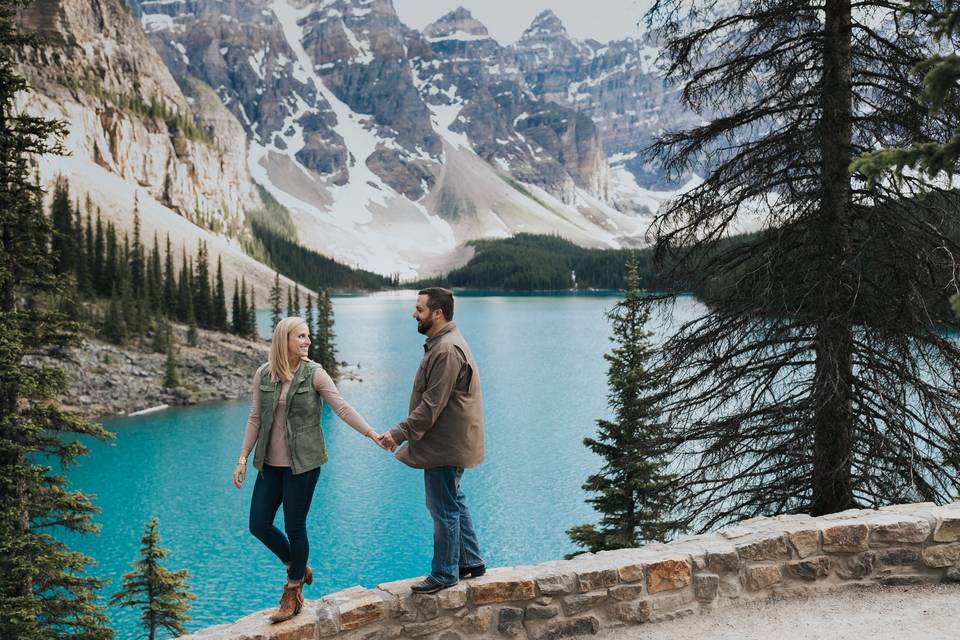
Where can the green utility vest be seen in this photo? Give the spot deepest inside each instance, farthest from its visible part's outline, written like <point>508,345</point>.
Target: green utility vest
<point>304,406</point>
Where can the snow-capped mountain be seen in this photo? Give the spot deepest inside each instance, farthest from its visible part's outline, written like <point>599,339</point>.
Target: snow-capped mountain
<point>391,147</point>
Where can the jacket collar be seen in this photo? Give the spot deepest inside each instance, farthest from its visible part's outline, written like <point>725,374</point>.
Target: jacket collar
<point>450,326</point>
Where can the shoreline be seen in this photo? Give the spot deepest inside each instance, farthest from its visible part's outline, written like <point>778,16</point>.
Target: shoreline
<point>105,380</point>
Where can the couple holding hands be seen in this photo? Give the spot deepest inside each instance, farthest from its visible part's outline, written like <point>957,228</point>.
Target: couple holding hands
<point>443,433</point>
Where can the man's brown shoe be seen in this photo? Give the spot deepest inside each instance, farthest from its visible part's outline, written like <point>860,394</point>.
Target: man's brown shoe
<point>290,603</point>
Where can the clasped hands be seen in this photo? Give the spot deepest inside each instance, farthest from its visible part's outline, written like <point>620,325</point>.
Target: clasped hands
<point>384,441</point>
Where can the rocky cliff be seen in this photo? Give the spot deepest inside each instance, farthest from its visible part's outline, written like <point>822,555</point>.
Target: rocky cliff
<point>127,115</point>
<point>389,146</point>
<point>392,146</point>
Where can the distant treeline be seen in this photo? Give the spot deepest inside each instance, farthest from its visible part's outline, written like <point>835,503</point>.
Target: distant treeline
<point>528,262</point>
<point>273,241</point>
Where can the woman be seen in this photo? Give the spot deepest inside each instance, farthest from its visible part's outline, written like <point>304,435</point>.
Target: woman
<point>284,423</point>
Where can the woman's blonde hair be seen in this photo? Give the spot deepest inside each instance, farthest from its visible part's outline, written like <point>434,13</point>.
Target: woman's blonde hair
<point>280,366</point>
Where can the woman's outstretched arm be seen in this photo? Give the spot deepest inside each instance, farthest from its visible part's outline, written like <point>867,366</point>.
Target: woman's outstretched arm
<point>324,385</point>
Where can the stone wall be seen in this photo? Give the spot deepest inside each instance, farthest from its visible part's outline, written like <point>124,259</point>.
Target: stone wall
<point>783,556</point>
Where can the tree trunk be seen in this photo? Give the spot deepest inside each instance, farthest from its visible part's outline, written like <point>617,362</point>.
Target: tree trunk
<point>833,412</point>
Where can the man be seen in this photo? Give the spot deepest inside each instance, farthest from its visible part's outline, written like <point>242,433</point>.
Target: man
<point>444,435</point>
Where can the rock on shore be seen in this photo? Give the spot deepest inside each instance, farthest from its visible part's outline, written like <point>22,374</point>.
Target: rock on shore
<point>104,379</point>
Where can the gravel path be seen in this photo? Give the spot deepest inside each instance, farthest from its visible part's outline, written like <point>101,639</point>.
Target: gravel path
<point>929,612</point>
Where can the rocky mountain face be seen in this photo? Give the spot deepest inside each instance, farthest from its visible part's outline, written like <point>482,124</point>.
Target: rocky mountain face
<point>128,116</point>
<point>616,85</point>
<point>389,146</point>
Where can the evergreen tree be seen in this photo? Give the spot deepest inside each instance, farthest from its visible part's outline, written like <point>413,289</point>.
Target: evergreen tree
<point>296,300</point>
<point>138,285</point>
<point>44,592</point>
<point>633,491</point>
<point>311,327</point>
<point>184,290</point>
<point>99,259</point>
<point>202,304</point>
<point>941,74</point>
<point>169,283</point>
<point>61,239</point>
<point>80,267</point>
<point>244,309</point>
<point>161,335</point>
<point>815,380</point>
<point>114,324</point>
<point>89,285</point>
<point>111,267</point>
<point>155,278</point>
<point>290,310</point>
<point>326,351</point>
<point>191,325</point>
<point>252,315</point>
<point>275,292</point>
<point>219,300</point>
<point>238,314</point>
<point>170,377</point>
<point>162,595</point>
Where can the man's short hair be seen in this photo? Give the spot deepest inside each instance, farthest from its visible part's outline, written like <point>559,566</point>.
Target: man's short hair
<point>439,298</point>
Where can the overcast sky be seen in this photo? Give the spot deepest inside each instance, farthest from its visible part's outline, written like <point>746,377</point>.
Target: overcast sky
<point>601,20</point>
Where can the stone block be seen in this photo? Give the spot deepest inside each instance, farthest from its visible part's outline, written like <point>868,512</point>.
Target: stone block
<point>670,603</point>
<point>368,633</point>
<point>900,531</point>
<point>952,575</point>
<point>556,629</point>
<point>942,555</point>
<point>667,575</point>
<point>502,586</point>
<point>898,556</point>
<point>556,583</point>
<point>328,621</point>
<point>404,608</point>
<point>723,561</point>
<point>417,629</point>
<point>857,567</point>
<point>510,621</point>
<point>593,579</point>
<point>626,592</point>
<point>810,569</point>
<point>477,622</point>
<point>454,597</point>
<point>846,538</point>
<point>631,573</point>
<point>361,610</point>
<point>576,604</point>
<point>297,628</point>
<point>805,543</point>
<point>427,604</point>
<point>449,634</point>
<point>761,576</point>
<point>638,611</point>
<point>773,547</point>
<point>706,586</point>
<point>543,599</point>
<point>947,528</point>
<point>542,612</point>
<point>902,580</point>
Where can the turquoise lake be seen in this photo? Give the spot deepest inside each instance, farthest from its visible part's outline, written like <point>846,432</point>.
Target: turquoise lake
<point>544,385</point>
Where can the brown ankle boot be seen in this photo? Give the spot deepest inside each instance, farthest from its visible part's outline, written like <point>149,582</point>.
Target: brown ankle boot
<point>290,603</point>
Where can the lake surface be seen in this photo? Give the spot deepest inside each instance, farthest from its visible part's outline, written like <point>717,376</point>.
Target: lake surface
<point>544,385</point>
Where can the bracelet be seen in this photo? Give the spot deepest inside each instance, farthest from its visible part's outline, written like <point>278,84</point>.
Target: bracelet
<point>242,460</point>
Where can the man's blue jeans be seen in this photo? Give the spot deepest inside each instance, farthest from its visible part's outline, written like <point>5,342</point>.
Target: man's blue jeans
<point>454,540</point>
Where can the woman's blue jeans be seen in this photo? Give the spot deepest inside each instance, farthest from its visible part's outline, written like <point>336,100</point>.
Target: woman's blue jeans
<point>276,486</point>
<point>454,539</point>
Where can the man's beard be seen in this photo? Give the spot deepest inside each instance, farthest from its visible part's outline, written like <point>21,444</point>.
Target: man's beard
<point>424,325</point>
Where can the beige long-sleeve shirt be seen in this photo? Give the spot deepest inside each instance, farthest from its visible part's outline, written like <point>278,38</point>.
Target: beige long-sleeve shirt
<point>278,454</point>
